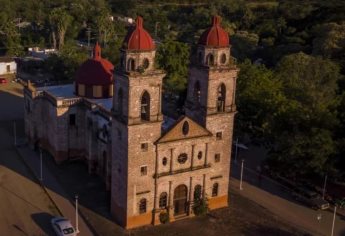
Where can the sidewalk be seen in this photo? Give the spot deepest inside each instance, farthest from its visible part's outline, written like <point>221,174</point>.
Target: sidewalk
<point>272,196</point>
<point>53,189</point>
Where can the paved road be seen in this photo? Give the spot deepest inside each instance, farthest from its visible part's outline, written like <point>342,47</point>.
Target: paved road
<point>25,206</point>
<point>54,189</point>
<point>25,209</point>
<point>274,197</point>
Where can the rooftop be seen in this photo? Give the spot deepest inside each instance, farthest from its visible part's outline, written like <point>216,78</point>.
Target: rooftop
<point>61,92</point>
<point>6,59</point>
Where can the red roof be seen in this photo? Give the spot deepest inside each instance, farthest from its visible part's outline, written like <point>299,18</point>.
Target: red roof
<point>215,36</point>
<point>96,70</point>
<point>138,38</point>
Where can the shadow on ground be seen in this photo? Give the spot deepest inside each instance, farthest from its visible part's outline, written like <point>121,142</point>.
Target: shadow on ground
<point>11,106</point>
<point>43,221</point>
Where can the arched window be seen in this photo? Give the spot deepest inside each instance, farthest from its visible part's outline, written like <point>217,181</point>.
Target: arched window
<point>223,58</point>
<point>131,64</point>
<point>221,98</point>
<point>215,190</point>
<point>142,206</point>
<point>210,59</point>
<point>196,92</point>
<point>123,62</point>
<point>120,102</point>
<point>145,106</point>
<point>163,200</point>
<point>200,57</point>
<point>197,192</point>
<point>146,63</point>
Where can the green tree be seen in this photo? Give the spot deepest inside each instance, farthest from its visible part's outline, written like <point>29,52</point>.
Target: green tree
<point>304,124</point>
<point>259,96</point>
<point>330,41</point>
<point>104,26</point>
<point>59,21</point>
<point>172,56</point>
<point>244,44</point>
<point>10,36</point>
<point>63,66</point>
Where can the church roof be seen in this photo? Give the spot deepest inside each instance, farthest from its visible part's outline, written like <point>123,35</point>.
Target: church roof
<point>96,70</point>
<point>184,128</point>
<point>138,38</point>
<point>215,36</point>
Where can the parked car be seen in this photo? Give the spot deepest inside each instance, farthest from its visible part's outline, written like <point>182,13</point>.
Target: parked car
<point>62,227</point>
<point>310,198</point>
<point>3,81</point>
<point>319,203</point>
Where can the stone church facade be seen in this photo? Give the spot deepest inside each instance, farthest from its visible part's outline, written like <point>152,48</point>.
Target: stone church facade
<point>149,166</point>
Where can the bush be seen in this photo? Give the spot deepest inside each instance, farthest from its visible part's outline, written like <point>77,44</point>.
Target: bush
<point>200,207</point>
<point>164,217</point>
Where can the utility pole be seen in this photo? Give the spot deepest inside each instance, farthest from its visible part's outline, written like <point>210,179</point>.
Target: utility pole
<point>236,150</point>
<point>335,211</point>
<point>88,32</point>
<point>156,26</point>
<point>241,174</point>
<point>324,188</point>
<point>15,133</point>
<point>41,169</point>
<point>105,39</point>
<point>76,214</point>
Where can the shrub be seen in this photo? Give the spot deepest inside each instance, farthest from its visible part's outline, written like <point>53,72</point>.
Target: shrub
<point>200,207</point>
<point>164,217</point>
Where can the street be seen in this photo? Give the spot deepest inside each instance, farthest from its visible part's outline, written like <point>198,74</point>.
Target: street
<point>275,197</point>
<point>26,207</point>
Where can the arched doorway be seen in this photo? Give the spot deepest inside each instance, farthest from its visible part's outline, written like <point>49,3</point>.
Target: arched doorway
<point>180,200</point>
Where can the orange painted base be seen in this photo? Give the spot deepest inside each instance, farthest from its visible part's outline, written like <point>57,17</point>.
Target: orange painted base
<point>140,220</point>
<point>218,202</point>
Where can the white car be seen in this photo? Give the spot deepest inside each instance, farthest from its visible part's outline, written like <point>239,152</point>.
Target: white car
<point>62,227</point>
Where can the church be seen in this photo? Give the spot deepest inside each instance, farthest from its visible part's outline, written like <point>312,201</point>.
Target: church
<point>112,118</point>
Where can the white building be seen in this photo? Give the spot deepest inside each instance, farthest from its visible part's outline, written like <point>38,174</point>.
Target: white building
<point>7,66</point>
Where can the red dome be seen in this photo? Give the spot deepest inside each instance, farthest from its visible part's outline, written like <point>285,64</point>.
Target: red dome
<point>215,36</point>
<point>138,38</point>
<point>96,70</point>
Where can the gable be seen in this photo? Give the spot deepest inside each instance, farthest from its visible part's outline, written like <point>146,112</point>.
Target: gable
<point>184,128</point>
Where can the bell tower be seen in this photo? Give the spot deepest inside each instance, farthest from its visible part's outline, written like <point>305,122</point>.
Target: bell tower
<point>211,98</point>
<point>213,73</point>
<point>135,127</point>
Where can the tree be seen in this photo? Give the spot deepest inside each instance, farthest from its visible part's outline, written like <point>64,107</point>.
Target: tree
<point>172,57</point>
<point>59,21</point>
<point>330,41</point>
<point>10,36</point>
<point>244,44</point>
<point>304,123</point>
<point>63,66</point>
<point>259,95</point>
<point>104,26</point>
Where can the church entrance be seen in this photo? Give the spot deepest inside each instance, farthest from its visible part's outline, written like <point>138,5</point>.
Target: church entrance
<point>180,200</point>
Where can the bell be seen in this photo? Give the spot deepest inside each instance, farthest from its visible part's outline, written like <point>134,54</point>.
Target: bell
<point>143,110</point>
